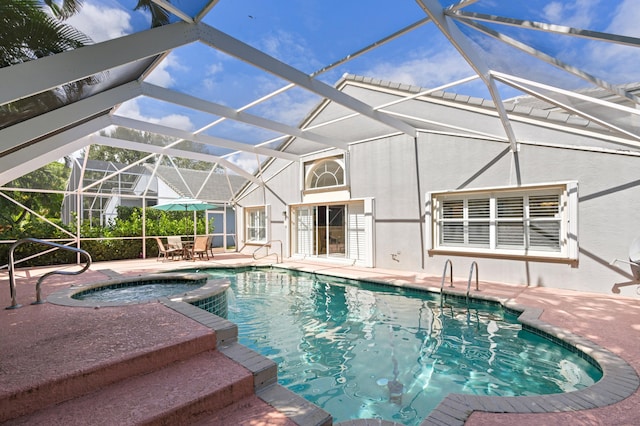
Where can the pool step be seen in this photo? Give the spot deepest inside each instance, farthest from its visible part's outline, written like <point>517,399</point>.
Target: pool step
<point>57,383</point>
<point>249,411</point>
<point>183,392</point>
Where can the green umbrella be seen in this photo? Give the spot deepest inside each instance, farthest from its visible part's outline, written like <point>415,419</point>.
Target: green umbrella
<point>185,205</point>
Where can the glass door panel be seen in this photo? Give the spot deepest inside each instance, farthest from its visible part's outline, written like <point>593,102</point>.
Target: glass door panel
<point>336,228</point>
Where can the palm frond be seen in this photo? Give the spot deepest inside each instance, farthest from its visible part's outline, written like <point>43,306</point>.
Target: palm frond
<point>65,8</point>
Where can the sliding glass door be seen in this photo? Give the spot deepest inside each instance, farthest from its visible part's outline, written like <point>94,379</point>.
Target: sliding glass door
<point>321,230</point>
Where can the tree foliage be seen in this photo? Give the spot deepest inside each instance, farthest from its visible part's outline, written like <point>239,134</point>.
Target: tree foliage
<point>53,176</point>
<point>126,156</point>
<point>27,32</point>
<point>65,8</point>
<point>159,16</point>
<point>118,239</point>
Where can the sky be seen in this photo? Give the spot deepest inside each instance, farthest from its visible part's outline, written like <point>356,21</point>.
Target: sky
<point>310,35</point>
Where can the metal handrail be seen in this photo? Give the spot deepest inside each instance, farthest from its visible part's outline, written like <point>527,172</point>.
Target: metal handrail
<point>470,276</point>
<point>12,279</point>
<point>444,274</point>
<point>268,244</point>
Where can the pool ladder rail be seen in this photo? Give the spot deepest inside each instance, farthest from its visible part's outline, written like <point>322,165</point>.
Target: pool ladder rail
<point>267,245</point>
<point>444,274</point>
<point>12,279</point>
<point>470,276</point>
<point>474,265</point>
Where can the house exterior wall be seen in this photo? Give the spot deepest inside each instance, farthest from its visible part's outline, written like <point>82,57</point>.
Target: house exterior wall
<point>386,170</point>
<point>280,191</point>
<point>397,172</point>
<point>609,199</point>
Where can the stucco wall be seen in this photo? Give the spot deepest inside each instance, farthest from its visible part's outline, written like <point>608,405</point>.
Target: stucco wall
<point>398,171</point>
<point>280,190</point>
<point>608,207</point>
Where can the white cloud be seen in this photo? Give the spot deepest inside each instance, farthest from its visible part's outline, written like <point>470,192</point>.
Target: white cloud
<point>101,22</point>
<point>131,109</point>
<point>214,69</point>
<point>427,70</point>
<point>246,161</point>
<point>290,49</point>
<point>577,13</point>
<point>553,11</point>
<point>175,120</point>
<point>625,19</point>
<point>288,107</point>
<point>613,62</point>
<point>162,74</point>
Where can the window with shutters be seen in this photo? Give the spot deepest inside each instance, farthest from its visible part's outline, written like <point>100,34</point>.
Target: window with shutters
<point>535,221</point>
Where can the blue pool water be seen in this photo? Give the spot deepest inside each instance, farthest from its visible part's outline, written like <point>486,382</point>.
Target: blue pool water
<point>373,351</point>
<point>137,293</point>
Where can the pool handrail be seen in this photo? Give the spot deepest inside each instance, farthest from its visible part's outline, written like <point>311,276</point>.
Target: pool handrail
<point>12,279</point>
<point>267,245</point>
<point>444,274</point>
<point>470,276</point>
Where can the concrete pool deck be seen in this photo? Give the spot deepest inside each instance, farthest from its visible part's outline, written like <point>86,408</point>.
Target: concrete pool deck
<point>41,340</point>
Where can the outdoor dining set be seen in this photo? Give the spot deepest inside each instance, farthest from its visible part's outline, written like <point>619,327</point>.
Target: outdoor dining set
<point>177,249</point>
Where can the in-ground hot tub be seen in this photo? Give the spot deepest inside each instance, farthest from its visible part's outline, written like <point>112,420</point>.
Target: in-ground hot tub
<point>197,289</point>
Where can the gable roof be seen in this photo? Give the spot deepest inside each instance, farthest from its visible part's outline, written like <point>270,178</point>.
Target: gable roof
<point>215,187</point>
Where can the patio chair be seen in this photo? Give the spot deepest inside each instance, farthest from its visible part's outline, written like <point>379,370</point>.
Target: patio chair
<point>175,243</point>
<point>210,245</point>
<point>200,248</point>
<point>634,260</point>
<point>166,252</point>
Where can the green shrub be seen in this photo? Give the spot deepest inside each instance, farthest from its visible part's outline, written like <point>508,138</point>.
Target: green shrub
<point>126,227</point>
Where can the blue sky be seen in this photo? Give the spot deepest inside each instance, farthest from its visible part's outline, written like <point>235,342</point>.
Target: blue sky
<point>312,34</point>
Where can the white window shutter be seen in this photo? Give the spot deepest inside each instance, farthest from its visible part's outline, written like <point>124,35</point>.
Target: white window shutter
<point>356,232</point>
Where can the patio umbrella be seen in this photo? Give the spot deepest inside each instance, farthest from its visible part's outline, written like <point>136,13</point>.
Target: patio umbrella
<point>185,205</point>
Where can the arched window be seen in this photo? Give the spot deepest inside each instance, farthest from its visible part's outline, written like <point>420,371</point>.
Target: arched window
<point>325,173</point>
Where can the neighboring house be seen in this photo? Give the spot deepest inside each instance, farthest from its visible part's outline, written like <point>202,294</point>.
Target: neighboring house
<point>554,210</point>
<point>99,196</point>
<point>217,188</point>
<point>130,186</point>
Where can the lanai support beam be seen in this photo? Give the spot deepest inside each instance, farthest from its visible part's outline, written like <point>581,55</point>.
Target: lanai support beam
<point>551,60</point>
<point>435,11</point>
<point>30,158</point>
<point>193,102</point>
<point>199,138</point>
<point>259,59</point>
<point>41,126</point>
<point>154,149</point>
<point>46,73</point>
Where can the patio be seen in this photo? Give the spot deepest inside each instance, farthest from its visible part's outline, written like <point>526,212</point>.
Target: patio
<point>48,341</point>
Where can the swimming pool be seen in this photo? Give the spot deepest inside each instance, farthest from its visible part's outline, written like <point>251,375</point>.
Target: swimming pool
<point>363,350</point>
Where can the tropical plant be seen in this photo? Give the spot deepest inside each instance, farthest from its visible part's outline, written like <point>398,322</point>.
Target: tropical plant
<point>65,8</point>
<point>159,16</point>
<point>125,156</point>
<point>52,176</point>
<point>28,32</point>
